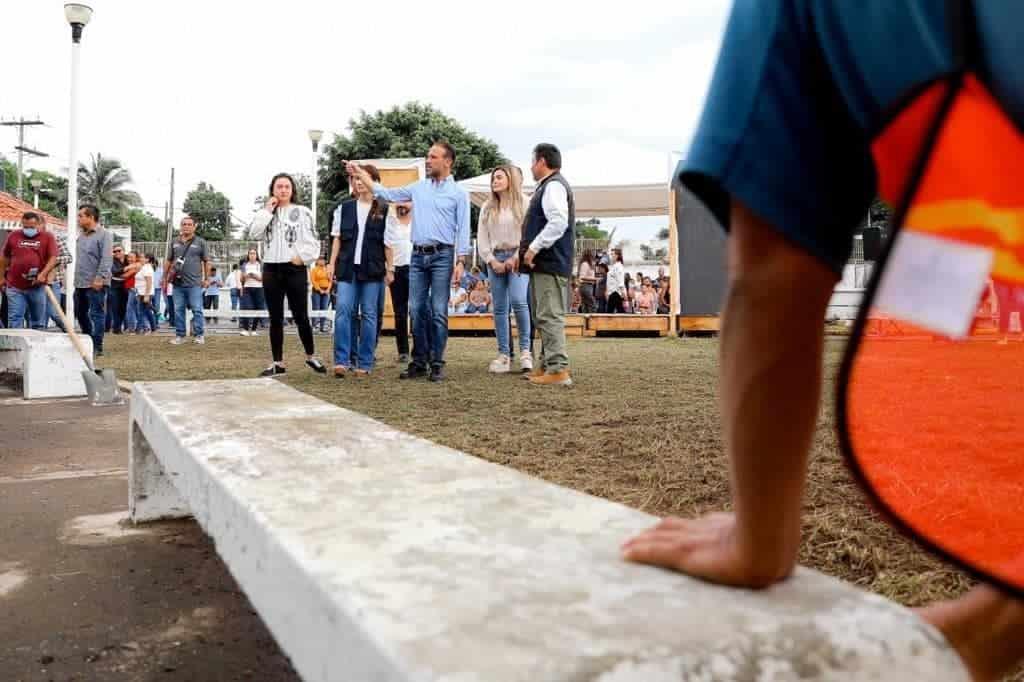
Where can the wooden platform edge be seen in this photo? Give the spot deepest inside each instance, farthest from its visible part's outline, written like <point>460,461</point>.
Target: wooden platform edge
<point>706,323</point>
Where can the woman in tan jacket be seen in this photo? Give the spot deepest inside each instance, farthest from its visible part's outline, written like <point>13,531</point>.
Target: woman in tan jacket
<point>498,236</point>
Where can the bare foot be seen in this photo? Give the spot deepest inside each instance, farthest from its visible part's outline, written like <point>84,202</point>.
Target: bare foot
<point>705,548</point>
<point>985,627</point>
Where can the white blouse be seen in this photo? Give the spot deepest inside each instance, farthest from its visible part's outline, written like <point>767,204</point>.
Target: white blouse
<point>286,233</point>
<point>617,279</point>
<point>398,238</point>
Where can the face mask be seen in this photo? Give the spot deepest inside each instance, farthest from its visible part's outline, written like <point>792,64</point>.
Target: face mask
<point>30,231</point>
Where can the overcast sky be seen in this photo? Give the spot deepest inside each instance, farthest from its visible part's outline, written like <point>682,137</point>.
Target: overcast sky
<point>225,92</point>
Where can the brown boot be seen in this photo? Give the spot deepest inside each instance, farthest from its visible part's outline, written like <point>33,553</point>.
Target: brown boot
<point>533,373</point>
<point>553,379</point>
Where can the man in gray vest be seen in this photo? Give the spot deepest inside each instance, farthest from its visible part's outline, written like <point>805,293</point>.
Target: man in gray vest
<point>547,255</point>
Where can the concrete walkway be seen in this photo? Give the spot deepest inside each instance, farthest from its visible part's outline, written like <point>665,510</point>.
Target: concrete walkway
<point>83,597</point>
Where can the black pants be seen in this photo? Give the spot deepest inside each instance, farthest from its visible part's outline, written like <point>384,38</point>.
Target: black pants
<point>615,304</point>
<point>211,303</point>
<point>118,302</point>
<point>280,280</point>
<point>400,303</point>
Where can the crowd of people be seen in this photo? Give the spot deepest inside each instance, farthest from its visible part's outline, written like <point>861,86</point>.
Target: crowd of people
<point>602,285</point>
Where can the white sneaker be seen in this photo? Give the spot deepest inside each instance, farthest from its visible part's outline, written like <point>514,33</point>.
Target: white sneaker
<point>200,340</point>
<point>244,332</point>
<point>177,341</point>
<point>500,365</point>
<point>526,361</point>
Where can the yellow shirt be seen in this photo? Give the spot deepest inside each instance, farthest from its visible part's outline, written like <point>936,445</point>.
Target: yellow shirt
<point>321,280</point>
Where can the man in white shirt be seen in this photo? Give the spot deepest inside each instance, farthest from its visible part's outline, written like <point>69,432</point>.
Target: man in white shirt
<point>548,254</point>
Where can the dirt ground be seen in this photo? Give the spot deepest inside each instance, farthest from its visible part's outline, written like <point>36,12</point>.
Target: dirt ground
<point>640,426</point>
<point>84,597</point>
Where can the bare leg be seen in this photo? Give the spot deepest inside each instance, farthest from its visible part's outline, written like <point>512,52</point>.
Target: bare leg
<point>770,393</point>
<point>985,627</point>
<point>772,337</point>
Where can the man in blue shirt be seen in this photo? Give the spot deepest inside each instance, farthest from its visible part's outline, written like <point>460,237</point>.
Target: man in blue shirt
<point>440,235</point>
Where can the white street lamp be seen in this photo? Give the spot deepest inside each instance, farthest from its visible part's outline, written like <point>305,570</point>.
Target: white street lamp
<point>78,16</point>
<point>36,185</point>
<point>315,136</point>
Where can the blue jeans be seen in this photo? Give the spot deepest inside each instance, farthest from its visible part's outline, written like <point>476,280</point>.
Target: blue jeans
<point>353,297</point>
<point>430,277</point>
<point>25,304</point>
<point>130,310</point>
<point>51,312</point>
<point>191,297</point>
<point>510,288</point>
<point>236,299</point>
<point>253,298</point>
<point>144,313</point>
<point>91,312</point>
<point>321,302</point>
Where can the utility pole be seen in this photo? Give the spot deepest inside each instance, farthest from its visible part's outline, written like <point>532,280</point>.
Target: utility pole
<point>21,124</point>
<point>170,213</point>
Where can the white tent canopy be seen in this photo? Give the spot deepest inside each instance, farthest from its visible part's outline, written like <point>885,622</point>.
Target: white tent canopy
<point>609,180</point>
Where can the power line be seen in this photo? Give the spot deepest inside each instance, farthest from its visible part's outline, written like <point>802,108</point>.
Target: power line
<point>21,124</point>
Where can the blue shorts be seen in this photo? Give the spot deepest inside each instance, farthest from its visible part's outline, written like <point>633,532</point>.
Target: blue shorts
<point>802,87</point>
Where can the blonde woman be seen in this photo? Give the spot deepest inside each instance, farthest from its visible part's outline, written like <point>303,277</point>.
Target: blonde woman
<point>498,236</point>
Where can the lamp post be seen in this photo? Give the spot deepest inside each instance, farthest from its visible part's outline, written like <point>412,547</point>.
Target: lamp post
<point>78,16</point>
<point>315,136</point>
<point>36,184</point>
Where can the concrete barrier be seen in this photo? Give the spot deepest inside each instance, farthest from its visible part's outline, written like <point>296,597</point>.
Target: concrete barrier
<point>375,555</point>
<point>48,363</point>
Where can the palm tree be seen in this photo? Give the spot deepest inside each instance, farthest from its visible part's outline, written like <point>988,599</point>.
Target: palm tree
<point>104,183</point>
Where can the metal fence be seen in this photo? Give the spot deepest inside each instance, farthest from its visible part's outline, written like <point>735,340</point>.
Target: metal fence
<point>223,254</point>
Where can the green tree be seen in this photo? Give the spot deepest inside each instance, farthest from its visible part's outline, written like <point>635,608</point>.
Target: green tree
<point>146,227</point>
<point>590,229</point>
<point>53,191</point>
<point>211,210</point>
<point>406,131</point>
<point>880,213</point>
<point>304,187</point>
<point>105,182</point>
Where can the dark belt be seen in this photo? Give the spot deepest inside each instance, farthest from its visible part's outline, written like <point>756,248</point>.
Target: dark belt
<point>430,249</point>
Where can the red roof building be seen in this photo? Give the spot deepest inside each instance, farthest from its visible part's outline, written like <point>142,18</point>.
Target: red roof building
<point>11,209</point>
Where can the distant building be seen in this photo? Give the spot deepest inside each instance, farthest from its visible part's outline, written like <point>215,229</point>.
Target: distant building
<point>12,208</point>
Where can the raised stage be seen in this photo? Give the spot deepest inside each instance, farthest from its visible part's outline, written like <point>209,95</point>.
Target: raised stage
<point>587,325</point>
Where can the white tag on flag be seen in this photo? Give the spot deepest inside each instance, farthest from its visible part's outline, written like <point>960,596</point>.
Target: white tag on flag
<point>934,283</point>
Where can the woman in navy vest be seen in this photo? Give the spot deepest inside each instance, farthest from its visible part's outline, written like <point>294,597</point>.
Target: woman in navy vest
<point>359,264</point>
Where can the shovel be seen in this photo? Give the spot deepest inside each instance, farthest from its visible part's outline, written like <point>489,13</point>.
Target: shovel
<point>100,384</point>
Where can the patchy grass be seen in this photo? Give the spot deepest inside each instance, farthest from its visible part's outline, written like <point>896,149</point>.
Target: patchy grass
<point>640,427</point>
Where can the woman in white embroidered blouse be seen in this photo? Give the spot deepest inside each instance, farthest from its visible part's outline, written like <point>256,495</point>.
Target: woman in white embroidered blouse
<point>617,292</point>
<point>290,245</point>
<point>498,236</point>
